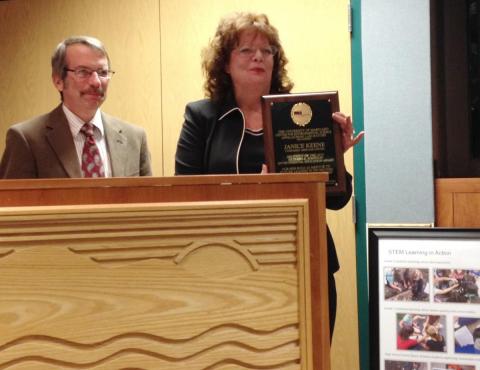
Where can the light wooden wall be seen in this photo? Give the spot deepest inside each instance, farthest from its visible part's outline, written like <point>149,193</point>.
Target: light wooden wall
<point>457,202</point>
<point>155,49</point>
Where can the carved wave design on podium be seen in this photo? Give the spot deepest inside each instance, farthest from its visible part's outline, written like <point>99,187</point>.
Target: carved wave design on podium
<point>279,251</point>
<point>207,350</point>
<point>267,239</point>
<point>7,253</point>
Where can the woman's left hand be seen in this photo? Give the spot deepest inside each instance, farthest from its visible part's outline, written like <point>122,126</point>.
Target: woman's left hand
<point>348,133</point>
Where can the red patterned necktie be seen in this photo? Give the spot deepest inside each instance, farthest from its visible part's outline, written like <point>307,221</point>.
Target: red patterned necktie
<point>92,165</point>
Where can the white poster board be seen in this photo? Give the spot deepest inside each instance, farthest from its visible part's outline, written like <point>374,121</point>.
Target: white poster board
<point>424,298</point>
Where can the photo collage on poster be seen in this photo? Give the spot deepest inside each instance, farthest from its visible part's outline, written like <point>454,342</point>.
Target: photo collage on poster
<point>429,305</point>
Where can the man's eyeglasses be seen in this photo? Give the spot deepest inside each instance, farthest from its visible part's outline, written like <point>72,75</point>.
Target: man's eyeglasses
<point>249,52</point>
<point>85,73</point>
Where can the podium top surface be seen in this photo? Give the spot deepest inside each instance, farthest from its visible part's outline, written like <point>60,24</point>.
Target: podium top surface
<point>163,181</point>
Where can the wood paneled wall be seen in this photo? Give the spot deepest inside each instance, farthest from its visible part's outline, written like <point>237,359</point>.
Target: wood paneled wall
<point>457,202</point>
<point>155,48</point>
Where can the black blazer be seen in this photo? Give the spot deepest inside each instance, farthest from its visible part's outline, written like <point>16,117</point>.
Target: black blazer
<point>209,143</point>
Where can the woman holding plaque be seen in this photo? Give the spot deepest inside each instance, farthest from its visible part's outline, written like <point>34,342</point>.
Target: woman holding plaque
<point>223,134</point>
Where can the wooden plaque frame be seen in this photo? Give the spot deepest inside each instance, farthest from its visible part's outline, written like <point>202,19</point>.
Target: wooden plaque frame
<point>280,128</point>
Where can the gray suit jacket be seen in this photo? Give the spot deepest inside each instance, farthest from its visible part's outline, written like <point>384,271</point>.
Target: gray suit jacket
<point>43,147</point>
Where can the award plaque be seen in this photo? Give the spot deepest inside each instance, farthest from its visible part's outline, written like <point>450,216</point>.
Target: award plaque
<point>300,136</point>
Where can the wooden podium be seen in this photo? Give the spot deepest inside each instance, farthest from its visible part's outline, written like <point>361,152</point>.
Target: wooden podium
<point>191,272</point>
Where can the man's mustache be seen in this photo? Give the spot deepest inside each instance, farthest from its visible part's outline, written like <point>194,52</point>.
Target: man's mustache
<point>99,91</point>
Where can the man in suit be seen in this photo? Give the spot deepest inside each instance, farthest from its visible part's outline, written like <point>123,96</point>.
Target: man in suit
<point>53,145</point>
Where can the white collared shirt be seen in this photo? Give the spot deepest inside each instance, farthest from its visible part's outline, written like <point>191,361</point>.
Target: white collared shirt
<point>76,124</point>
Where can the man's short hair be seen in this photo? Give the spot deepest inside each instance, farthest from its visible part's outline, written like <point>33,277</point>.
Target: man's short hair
<point>58,57</point>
